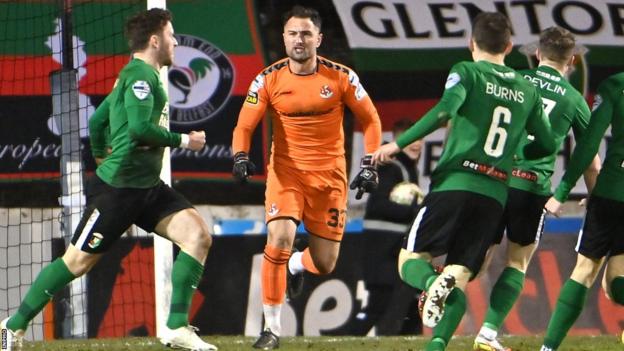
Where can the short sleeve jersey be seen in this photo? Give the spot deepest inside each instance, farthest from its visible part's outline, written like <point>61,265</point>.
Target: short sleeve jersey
<point>566,108</point>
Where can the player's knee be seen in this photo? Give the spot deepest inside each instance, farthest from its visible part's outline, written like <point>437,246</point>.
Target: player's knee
<point>586,270</point>
<point>617,290</point>
<point>205,239</point>
<point>78,262</point>
<point>199,238</point>
<point>79,269</point>
<point>281,241</point>
<point>325,264</point>
<point>325,267</point>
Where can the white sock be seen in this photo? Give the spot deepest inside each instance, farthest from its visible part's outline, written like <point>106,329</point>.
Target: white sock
<point>488,333</point>
<point>272,318</point>
<point>295,263</point>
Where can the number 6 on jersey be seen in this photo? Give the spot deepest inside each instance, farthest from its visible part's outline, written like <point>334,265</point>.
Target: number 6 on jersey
<point>497,135</point>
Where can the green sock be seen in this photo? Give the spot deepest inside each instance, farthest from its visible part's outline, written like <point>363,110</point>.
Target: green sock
<point>185,276</point>
<point>504,295</point>
<point>617,290</point>
<point>50,280</point>
<point>418,273</point>
<point>453,313</point>
<point>569,306</point>
<point>436,344</point>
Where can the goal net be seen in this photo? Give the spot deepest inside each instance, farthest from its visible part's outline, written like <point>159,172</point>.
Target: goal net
<point>58,60</point>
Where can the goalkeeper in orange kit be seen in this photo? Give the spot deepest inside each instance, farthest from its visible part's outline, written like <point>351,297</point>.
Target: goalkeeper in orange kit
<point>305,95</point>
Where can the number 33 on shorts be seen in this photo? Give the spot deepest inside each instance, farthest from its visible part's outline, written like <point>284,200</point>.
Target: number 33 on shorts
<point>336,218</point>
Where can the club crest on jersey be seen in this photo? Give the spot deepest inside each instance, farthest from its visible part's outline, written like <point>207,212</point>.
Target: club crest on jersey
<point>96,240</point>
<point>141,89</point>
<point>200,81</point>
<point>273,210</point>
<point>326,92</point>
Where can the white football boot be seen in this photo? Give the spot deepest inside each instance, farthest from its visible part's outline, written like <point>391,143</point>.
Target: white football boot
<point>185,338</point>
<point>10,340</point>
<point>486,344</point>
<point>433,308</point>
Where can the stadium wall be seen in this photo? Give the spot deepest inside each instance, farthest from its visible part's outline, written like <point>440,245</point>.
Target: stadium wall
<point>228,299</point>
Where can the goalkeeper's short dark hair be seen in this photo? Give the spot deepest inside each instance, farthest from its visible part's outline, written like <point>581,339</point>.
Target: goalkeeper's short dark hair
<point>299,11</point>
<point>140,27</point>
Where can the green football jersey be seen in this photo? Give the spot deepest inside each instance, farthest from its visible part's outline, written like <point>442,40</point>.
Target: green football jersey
<point>489,106</point>
<point>566,108</point>
<point>136,113</point>
<point>608,110</point>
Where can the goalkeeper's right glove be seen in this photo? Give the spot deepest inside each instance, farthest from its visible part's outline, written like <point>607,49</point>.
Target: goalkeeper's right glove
<point>367,179</point>
<point>243,167</point>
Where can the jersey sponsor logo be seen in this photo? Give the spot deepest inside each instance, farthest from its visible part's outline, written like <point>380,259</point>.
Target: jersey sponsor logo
<point>252,98</point>
<point>201,80</point>
<point>485,169</point>
<point>526,175</point>
<point>597,102</point>
<point>164,117</point>
<point>141,89</point>
<point>307,113</point>
<point>548,76</point>
<point>326,92</point>
<point>273,210</point>
<point>452,80</point>
<point>96,240</point>
<point>505,75</point>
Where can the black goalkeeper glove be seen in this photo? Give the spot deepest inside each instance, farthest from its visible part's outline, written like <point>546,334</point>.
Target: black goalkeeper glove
<point>367,179</point>
<point>243,167</point>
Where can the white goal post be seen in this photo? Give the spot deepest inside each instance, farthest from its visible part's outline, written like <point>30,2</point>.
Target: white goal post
<point>163,248</point>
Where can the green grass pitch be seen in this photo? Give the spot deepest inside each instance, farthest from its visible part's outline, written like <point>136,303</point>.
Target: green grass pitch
<point>332,343</point>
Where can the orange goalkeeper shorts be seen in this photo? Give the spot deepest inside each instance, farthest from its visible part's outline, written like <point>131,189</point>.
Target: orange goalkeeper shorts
<point>318,198</point>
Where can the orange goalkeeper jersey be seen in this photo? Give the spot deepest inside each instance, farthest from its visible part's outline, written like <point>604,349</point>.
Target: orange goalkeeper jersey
<point>307,113</point>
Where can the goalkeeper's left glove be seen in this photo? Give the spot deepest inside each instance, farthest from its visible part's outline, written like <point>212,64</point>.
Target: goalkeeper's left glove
<point>367,179</point>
